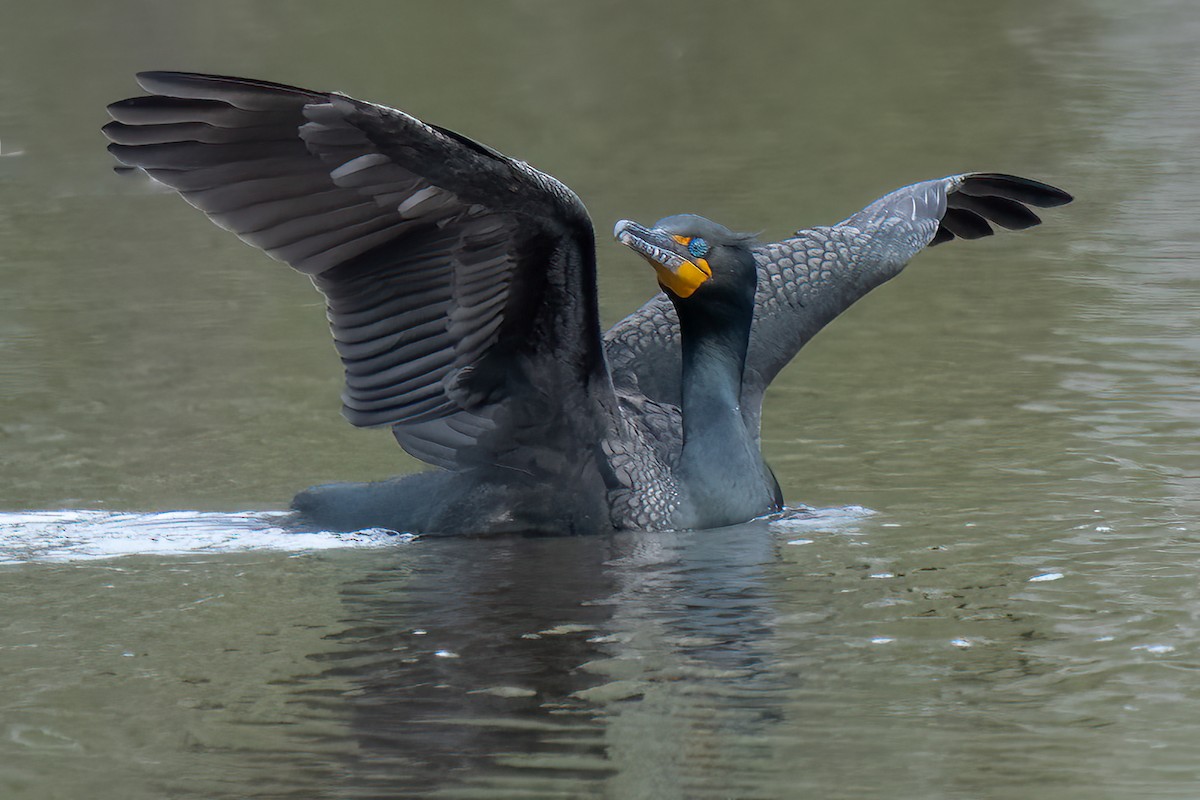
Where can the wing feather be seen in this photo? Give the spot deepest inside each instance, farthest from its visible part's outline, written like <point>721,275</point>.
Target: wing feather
<point>443,263</point>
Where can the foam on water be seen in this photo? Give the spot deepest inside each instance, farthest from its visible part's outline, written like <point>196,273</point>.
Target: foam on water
<point>81,535</point>
<point>802,518</point>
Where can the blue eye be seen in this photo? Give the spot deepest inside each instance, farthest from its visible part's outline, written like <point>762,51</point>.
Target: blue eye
<point>697,247</point>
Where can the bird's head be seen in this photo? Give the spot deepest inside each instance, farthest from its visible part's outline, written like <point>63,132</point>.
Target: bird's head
<point>695,258</point>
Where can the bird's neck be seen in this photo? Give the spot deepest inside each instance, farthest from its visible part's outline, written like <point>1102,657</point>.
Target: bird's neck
<point>720,469</point>
<point>714,355</point>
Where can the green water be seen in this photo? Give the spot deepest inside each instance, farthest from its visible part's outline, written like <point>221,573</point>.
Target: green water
<point>1017,619</point>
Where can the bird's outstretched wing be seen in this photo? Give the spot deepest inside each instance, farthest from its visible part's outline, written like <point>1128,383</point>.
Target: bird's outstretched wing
<point>460,284</point>
<point>804,282</point>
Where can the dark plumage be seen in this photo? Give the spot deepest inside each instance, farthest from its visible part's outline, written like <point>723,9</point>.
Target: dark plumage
<point>461,293</point>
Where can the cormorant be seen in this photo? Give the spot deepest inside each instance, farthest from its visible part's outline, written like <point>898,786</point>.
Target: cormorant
<point>461,292</point>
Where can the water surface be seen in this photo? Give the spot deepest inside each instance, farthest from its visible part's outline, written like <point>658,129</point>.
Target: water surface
<point>996,596</point>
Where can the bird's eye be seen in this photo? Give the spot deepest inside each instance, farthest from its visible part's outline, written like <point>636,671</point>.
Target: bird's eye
<point>697,247</point>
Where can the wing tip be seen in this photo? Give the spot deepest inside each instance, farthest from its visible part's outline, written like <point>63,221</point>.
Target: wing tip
<point>1033,192</point>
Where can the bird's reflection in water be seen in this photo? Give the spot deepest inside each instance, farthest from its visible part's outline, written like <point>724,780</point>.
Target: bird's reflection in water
<point>553,665</point>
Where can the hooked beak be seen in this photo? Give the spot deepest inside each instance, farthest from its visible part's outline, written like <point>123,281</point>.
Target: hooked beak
<point>679,273</point>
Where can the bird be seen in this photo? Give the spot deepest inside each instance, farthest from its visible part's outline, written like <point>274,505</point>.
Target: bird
<point>460,289</point>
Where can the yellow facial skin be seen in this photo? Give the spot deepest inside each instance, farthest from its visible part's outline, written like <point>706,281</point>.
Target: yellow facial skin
<point>687,279</point>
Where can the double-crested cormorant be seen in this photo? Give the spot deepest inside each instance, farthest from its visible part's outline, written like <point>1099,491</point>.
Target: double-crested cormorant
<point>461,293</point>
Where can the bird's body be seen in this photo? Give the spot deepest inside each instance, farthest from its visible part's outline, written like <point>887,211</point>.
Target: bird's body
<point>648,465</point>
<point>461,293</point>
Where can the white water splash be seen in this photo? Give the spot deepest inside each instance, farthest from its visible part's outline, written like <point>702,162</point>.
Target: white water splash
<point>82,535</point>
<point>805,518</point>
